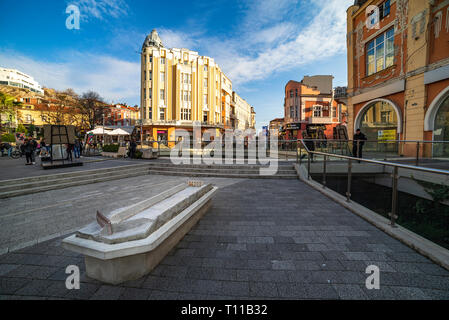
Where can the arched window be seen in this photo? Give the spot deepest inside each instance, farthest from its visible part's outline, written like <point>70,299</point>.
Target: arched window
<point>379,121</point>
<point>441,130</point>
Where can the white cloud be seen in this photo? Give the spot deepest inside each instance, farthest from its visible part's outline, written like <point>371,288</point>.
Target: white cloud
<point>100,9</point>
<point>276,35</point>
<point>114,79</point>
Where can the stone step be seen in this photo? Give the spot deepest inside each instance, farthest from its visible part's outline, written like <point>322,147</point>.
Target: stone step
<point>217,174</point>
<point>72,183</point>
<point>221,170</point>
<point>217,166</point>
<point>30,185</point>
<point>72,174</point>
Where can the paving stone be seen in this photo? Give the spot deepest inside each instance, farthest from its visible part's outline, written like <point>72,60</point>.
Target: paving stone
<point>34,288</point>
<point>235,288</point>
<point>11,285</point>
<point>350,292</point>
<point>107,292</point>
<point>135,294</point>
<point>282,265</point>
<point>260,290</point>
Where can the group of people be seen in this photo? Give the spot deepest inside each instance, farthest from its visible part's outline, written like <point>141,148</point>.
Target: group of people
<point>30,148</point>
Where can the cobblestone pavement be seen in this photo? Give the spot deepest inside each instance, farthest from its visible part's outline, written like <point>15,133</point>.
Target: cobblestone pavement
<point>33,218</point>
<point>274,239</point>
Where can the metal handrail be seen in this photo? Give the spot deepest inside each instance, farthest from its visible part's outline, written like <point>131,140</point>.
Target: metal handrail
<point>395,174</point>
<point>350,140</point>
<point>392,164</point>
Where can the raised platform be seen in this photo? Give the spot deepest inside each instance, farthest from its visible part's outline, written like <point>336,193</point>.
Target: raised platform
<point>129,242</point>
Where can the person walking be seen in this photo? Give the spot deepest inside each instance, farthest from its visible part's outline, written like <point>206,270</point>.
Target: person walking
<point>69,150</point>
<point>357,144</point>
<point>132,149</point>
<point>33,149</point>
<point>77,148</point>
<point>27,148</point>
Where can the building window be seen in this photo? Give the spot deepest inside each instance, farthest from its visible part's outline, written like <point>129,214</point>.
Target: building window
<point>380,52</point>
<point>205,68</point>
<point>161,113</point>
<point>384,9</point>
<point>162,76</point>
<point>205,81</point>
<point>150,113</point>
<point>186,114</point>
<point>317,111</point>
<point>292,112</point>
<point>205,99</point>
<point>162,60</point>
<point>205,117</point>
<point>291,93</point>
<point>162,97</point>
<point>150,76</point>
<point>334,112</point>
<point>151,59</point>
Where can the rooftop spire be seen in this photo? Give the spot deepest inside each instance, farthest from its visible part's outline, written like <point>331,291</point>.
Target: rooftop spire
<point>153,40</point>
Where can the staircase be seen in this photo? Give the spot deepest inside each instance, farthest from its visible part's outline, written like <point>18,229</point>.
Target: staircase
<point>285,171</point>
<point>23,186</point>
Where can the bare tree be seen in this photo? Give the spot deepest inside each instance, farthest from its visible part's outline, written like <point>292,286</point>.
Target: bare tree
<point>92,106</point>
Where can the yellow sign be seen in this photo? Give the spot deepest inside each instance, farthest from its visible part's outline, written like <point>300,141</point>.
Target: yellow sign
<point>386,135</point>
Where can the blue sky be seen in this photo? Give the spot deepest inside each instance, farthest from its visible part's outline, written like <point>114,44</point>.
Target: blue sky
<point>260,45</point>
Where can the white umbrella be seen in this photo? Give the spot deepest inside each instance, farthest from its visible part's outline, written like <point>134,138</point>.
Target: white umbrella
<point>118,132</point>
<point>98,131</point>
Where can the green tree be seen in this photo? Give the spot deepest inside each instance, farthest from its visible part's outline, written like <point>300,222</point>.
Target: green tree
<point>8,105</point>
<point>21,128</point>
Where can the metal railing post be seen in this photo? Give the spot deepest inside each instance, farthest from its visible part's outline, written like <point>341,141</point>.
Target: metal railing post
<point>394,197</point>
<point>348,191</point>
<point>417,154</point>
<point>324,171</point>
<point>308,166</point>
<point>300,155</point>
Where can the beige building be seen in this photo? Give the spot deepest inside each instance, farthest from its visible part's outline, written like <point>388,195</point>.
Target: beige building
<point>241,113</point>
<point>180,87</point>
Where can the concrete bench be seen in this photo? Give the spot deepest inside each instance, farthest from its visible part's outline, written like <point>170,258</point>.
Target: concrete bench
<point>149,153</point>
<point>129,242</point>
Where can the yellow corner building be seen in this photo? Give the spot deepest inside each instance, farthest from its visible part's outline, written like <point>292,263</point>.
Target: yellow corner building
<point>180,87</point>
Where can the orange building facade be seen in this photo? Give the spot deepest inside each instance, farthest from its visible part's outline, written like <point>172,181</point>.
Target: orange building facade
<point>309,105</point>
<point>398,71</point>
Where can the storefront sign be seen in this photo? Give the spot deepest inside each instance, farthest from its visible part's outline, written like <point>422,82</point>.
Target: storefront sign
<point>386,135</point>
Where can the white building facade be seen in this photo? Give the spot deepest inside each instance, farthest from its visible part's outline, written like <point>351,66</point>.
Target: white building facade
<point>16,78</point>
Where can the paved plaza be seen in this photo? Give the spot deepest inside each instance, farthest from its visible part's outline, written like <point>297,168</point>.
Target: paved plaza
<point>270,239</point>
<point>16,168</point>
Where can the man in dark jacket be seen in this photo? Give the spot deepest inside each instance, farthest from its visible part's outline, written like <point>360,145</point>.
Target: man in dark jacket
<point>34,148</point>
<point>132,149</point>
<point>357,144</point>
<point>28,149</point>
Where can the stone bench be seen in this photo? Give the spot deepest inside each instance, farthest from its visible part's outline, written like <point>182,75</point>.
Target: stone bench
<point>149,153</point>
<point>129,242</point>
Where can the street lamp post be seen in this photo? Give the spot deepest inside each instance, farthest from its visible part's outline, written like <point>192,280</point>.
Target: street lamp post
<point>102,142</point>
